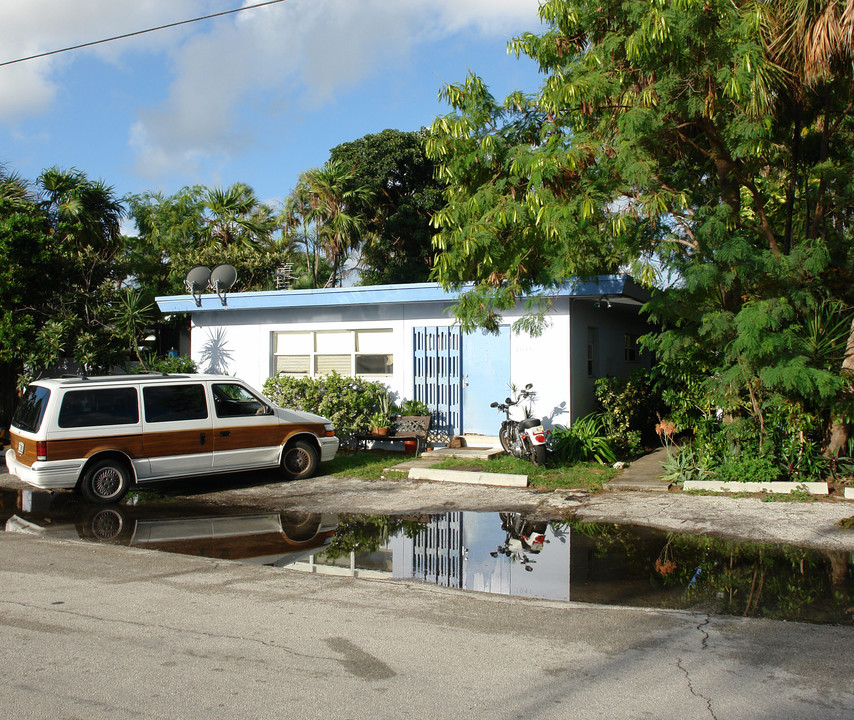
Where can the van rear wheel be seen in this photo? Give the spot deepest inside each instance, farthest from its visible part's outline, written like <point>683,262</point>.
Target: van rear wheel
<point>106,481</point>
<point>299,460</point>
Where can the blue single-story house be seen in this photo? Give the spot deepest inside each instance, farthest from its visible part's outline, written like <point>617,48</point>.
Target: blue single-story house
<point>404,336</point>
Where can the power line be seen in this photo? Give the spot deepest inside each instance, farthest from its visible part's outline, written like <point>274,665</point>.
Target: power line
<point>141,32</point>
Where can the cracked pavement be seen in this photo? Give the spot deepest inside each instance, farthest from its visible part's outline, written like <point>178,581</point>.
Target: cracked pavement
<point>102,631</point>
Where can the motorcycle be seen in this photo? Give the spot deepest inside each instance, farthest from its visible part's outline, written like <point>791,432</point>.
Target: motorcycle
<point>523,535</point>
<point>523,439</point>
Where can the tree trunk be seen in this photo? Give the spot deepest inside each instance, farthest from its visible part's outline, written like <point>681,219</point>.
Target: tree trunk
<point>840,430</point>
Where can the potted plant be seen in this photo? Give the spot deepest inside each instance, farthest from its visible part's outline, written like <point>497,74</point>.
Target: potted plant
<point>380,422</point>
<point>381,419</point>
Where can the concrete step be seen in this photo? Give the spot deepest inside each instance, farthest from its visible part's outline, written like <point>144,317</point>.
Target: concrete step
<point>468,477</point>
<point>471,453</point>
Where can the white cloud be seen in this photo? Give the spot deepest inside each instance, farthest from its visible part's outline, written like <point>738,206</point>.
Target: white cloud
<point>299,52</point>
<point>29,28</point>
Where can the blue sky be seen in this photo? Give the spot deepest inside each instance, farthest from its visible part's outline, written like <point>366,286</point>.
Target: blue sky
<point>257,96</point>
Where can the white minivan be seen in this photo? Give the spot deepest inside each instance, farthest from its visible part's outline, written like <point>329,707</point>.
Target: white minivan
<point>102,434</point>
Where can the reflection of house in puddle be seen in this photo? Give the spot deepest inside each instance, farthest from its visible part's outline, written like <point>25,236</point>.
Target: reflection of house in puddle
<point>461,550</point>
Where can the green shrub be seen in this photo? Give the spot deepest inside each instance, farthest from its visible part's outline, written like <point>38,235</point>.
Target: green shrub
<point>182,364</point>
<point>631,408</point>
<point>584,440</point>
<point>349,402</point>
<point>748,468</point>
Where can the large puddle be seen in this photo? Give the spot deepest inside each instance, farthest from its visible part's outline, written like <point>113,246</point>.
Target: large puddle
<point>505,553</point>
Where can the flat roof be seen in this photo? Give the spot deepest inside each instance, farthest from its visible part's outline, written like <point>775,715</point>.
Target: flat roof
<point>614,286</point>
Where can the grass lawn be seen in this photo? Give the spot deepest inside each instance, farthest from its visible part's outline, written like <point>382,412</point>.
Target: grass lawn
<point>371,465</point>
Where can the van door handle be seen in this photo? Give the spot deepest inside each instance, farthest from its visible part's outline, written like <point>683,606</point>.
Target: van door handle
<point>225,433</point>
<point>201,438</point>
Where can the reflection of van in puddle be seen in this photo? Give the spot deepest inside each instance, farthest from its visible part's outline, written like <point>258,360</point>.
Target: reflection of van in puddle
<point>265,538</point>
<point>101,434</point>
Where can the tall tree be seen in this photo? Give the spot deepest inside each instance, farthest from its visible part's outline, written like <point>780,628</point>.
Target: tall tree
<point>235,216</point>
<point>28,259</point>
<point>333,202</point>
<point>404,195</point>
<point>674,130</point>
<point>201,226</point>
<point>58,242</point>
<point>300,226</point>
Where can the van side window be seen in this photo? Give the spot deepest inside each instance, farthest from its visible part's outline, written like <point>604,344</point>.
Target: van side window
<point>231,400</point>
<point>90,408</point>
<point>173,403</point>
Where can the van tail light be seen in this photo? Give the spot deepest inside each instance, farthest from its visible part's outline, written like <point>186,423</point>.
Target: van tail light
<point>41,450</point>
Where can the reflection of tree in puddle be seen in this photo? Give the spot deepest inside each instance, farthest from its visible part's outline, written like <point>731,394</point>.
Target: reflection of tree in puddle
<point>774,581</point>
<point>367,533</point>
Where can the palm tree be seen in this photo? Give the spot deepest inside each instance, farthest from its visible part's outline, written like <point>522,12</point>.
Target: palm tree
<point>131,320</point>
<point>237,217</point>
<point>83,213</point>
<point>13,187</point>
<point>331,193</point>
<point>297,226</point>
<point>811,38</point>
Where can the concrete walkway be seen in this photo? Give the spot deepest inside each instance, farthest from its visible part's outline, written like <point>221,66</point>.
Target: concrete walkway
<point>642,474</point>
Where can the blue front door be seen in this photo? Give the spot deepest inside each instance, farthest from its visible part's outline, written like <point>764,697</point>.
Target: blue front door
<point>486,378</point>
<point>436,371</point>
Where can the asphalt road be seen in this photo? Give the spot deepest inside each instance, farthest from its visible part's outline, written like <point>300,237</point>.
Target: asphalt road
<point>98,631</point>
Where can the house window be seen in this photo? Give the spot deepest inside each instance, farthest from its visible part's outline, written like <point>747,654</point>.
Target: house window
<point>630,348</point>
<point>347,352</point>
<point>592,351</point>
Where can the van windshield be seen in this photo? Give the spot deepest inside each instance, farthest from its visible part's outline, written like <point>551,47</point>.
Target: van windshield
<point>30,412</point>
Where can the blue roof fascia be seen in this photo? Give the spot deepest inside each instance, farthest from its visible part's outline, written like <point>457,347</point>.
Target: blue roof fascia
<point>367,295</point>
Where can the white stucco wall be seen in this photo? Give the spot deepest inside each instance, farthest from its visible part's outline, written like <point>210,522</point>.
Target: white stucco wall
<point>544,362</point>
<point>240,343</point>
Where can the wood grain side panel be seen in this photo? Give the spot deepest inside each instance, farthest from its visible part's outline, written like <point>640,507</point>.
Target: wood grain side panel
<point>297,428</point>
<point>248,436</point>
<point>28,457</point>
<point>178,442</point>
<point>130,445</point>
<point>164,444</point>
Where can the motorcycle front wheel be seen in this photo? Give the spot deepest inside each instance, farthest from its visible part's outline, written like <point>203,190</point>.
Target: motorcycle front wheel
<point>505,436</point>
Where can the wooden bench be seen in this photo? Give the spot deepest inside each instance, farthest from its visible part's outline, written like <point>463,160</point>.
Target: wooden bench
<point>406,427</point>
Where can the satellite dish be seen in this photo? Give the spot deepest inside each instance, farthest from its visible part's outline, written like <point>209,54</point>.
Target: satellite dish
<point>196,281</point>
<point>221,279</point>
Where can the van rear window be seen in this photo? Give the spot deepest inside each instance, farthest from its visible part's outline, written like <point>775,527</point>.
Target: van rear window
<point>30,413</point>
<point>107,406</point>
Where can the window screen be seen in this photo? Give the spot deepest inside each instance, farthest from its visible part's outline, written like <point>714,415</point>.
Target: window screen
<point>293,364</point>
<point>325,364</point>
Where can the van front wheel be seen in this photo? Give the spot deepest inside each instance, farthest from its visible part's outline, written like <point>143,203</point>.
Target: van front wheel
<point>299,460</point>
<point>106,481</point>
